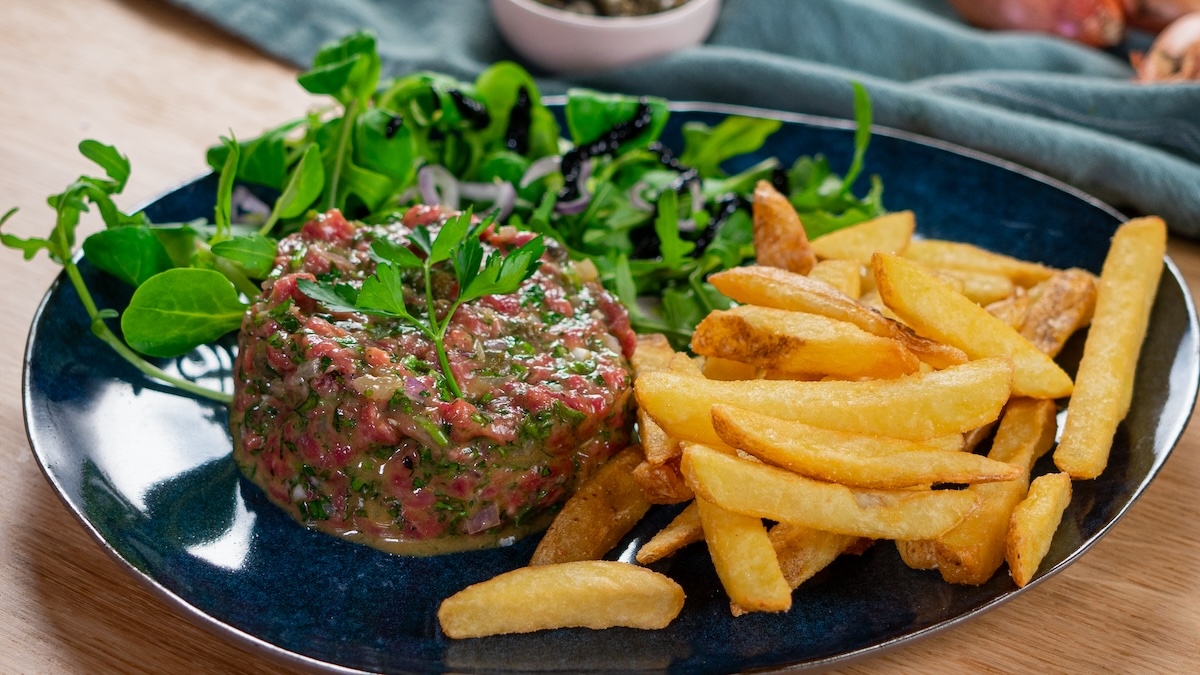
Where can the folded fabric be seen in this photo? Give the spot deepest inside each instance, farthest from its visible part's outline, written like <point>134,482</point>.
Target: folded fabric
<point>1063,109</point>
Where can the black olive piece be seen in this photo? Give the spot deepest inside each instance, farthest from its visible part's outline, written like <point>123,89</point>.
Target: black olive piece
<point>779,179</point>
<point>471,110</point>
<point>393,126</point>
<point>726,207</point>
<point>520,118</point>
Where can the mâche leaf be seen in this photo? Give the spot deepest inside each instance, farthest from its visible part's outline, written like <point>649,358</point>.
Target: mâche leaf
<point>133,254</point>
<point>254,252</point>
<point>176,310</point>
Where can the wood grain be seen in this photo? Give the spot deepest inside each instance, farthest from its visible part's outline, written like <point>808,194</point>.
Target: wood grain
<point>162,85</point>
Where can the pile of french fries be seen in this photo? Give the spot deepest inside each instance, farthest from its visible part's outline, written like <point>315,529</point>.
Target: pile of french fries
<point>846,398</point>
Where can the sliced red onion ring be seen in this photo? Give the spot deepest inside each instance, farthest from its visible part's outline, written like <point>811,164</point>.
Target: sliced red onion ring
<point>408,195</point>
<point>438,186</point>
<point>697,196</point>
<point>688,225</point>
<point>501,195</point>
<point>540,168</point>
<point>636,200</point>
<point>580,203</point>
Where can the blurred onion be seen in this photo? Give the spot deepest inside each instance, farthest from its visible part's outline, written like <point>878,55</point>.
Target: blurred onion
<point>438,186</point>
<point>540,168</point>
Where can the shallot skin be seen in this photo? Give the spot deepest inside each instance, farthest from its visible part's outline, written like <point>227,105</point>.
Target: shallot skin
<point>1175,55</point>
<point>1099,23</point>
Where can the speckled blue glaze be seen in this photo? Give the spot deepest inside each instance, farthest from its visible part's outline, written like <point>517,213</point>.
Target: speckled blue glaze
<point>148,472</point>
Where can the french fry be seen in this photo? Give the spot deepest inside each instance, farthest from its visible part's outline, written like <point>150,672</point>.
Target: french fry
<point>972,551</point>
<point>1033,524</point>
<point>603,509</point>
<point>653,352</point>
<point>930,352</point>
<point>951,255</point>
<point>685,365</point>
<point>1011,310</point>
<point>802,552</point>
<point>779,289</point>
<point>799,342</point>
<point>1128,284</point>
<point>768,492</point>
<point>657,446</point>
<point>741,428</point>
<point>854,460</point>
<point>915,407</point>
<point>717,368</point>
<point>1063,304</point>
<point>890,233</point>
<point>779,236</point>
<point>844,275</point>
<point>937,312</point>
<point>918,555</point>
<point>744,559</point>
<point>982,288</point>
<point>684,529</point>
<point>586,594</point>
<point>662,483</point>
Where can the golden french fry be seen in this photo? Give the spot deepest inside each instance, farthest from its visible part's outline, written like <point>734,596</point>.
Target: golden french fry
<point>844,275</point>
<point>662,483</point>
<point>890,233</point>
<point>937,312</point>
<point>657,446</point>
<point>1128,284</point>
<point>972,551</point>
<point>918,555</point>
<point>603,509</point>
<point>799,342</point>
<point>930,352</point>
<point>1012,310</point>
<point>744,559</point>
<point>915,407</point>
<point>951,255</point>
<point>802,552</point>
<point>685,365</point>
<point>769,492</point>
<point>717,368</point>
<point>779,289</point>
<point>779,236</point>
<point>742,428</point>
<point>982,288</point>
<point>653,352</point>
<point>1061,305</point>
<point>1033,524</point>
<point>584,594</point>
<point>854,460</point>
<point>684,529</point>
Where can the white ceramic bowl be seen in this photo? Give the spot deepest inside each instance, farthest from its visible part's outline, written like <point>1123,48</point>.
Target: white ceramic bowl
<point>566,42</point>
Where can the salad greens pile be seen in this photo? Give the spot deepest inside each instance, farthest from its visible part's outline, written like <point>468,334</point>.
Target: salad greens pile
<point>654,224</point>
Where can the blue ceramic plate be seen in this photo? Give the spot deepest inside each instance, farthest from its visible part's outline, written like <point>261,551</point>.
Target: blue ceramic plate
<point>149,474</point>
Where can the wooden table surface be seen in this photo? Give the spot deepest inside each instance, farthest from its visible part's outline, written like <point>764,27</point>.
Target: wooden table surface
<point>162,85</point>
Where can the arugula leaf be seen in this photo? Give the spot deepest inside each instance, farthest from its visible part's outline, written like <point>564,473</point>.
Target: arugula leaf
<point>223,211</point>
<point>254,252</point>
<point>666,226</point>
<point>262,160</point>
<point>132,254</point>
<point>176,310</point>
<point>303,188</point>
<point>385,145</point>
<point>705,147</point>
<point>106,157</point>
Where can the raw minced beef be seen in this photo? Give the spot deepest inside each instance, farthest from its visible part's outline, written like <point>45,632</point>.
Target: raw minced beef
<point>346,421</point>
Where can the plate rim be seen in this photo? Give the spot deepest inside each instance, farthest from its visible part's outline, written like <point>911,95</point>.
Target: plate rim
<point>260,646</point>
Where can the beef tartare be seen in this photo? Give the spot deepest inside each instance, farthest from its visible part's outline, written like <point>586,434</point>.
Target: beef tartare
<point>345,420</point>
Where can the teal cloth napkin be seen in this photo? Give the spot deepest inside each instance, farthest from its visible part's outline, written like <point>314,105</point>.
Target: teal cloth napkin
<point>1065,110</point>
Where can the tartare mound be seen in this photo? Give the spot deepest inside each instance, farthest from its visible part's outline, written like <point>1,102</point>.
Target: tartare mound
<point>347,422</point>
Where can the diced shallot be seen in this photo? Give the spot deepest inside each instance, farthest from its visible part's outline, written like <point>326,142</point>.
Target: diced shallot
<point>485,519</point>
